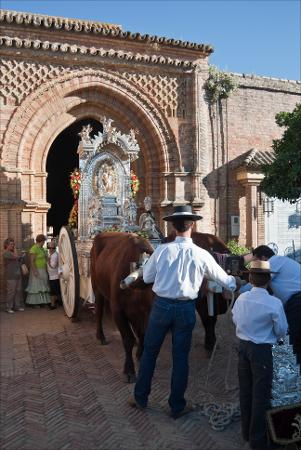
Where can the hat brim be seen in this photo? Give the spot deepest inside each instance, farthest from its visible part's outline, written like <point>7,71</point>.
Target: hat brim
<point>261,271</point>
<point>173,217</point>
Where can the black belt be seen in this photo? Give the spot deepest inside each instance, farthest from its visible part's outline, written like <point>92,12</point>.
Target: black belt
<point>174,300</point>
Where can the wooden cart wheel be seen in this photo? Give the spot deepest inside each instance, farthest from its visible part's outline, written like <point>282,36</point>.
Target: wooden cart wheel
<point>69,278</point>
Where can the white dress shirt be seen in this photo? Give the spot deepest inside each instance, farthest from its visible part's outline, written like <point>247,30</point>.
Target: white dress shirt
<point>287,281</point>
<point>177,270</point>
<point>259,317</point>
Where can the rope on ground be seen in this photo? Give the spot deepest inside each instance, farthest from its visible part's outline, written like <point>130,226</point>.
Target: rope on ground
<point>220,414</point>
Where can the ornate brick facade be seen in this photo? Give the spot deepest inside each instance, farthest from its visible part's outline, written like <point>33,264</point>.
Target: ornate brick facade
<point>57,71</point>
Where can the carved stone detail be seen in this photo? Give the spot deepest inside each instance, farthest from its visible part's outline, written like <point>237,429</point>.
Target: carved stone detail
<point>169,92</point>
<point>20,78</point>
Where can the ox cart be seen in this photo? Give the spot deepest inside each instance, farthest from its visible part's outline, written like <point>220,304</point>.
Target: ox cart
<point>105,202</point>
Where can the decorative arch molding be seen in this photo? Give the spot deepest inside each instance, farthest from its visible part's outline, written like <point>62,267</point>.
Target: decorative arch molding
<point>55,98</point>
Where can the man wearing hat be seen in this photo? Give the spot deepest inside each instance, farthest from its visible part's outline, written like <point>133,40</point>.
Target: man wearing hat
<point>260,322</point>
<point>176,270</point>
<point>286,285</point>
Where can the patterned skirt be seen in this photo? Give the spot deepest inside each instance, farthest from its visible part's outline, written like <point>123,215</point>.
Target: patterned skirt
<point>38,288</point>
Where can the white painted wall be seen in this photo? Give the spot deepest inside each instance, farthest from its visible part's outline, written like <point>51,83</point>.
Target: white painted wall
<point>283,227</point>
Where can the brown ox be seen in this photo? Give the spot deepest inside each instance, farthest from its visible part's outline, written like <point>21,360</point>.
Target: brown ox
<point>213,244</point>
<point>111,255</point>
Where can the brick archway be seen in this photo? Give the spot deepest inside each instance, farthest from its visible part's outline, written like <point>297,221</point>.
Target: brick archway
<point>56,105</point>
<point>37,117</point>
<point>59,103</point>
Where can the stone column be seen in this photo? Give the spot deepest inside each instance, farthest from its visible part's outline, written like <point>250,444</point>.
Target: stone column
<point>200,196</point>
<point>251,181</point>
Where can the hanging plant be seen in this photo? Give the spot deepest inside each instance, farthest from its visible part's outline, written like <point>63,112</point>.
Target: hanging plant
<point>73,216</point>
<point>75,182</point>
<point>220,84</point>
<point>134,183</point>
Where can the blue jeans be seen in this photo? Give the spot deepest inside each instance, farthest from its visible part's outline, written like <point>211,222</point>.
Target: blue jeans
<point>177,316</point>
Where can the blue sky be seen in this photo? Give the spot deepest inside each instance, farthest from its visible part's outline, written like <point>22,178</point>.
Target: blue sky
<point>259,37</point>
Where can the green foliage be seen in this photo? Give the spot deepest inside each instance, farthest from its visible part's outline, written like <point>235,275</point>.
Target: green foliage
<point>117,229</point>
<point>237,249</point>
<point>283,177</point>
<point>142,234</point>
<point>220,84</point>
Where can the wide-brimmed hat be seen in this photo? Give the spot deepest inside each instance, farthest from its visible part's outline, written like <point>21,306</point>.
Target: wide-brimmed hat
<point>182,212</point>
<point>260,267</point>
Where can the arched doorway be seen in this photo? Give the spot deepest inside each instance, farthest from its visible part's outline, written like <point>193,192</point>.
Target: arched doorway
<point>62,159</point>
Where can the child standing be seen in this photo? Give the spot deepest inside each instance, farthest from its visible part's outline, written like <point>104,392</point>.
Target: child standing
<point>53,273</point>
<point>260,322</point>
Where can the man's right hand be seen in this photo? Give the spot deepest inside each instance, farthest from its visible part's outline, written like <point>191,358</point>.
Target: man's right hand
<point>239,282</point>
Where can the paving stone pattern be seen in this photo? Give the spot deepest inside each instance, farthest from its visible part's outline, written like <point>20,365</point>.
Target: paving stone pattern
<point>60,389</point>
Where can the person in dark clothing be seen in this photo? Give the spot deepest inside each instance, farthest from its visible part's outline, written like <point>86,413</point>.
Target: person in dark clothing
<point>13,277</point>
<point>260,322</point>
<point>286,285</point>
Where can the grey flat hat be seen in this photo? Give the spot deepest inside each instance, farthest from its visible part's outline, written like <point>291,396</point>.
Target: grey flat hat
<point>182,212</point>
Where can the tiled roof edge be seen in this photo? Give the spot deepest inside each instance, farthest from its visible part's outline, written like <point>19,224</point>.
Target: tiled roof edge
<point>253,159</point>
<point>37,45</point>
<point>108,30</point>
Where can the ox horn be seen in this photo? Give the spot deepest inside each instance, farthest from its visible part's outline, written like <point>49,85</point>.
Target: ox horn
<point>133,276</point>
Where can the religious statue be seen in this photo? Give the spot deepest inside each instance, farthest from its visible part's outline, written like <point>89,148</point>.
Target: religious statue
<point>130,211</point>
<point>109,131</point>
<point>108,179</point>
<point>147,221</point>
<point>85,133</point>
<point>93,216</point>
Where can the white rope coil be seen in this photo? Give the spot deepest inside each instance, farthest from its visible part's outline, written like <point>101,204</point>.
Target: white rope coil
<point>220,414</point>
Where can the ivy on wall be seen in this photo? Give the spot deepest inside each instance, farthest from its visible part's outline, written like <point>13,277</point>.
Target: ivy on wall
<point>220,84</point>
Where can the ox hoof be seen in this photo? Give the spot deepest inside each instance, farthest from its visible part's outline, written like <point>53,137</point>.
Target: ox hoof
<point>129,378</point>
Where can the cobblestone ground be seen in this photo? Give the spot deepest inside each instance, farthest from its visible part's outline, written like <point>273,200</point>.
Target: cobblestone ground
<point>60,389</point>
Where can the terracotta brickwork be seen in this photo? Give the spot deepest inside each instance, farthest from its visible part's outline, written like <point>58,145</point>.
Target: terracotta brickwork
<point>244,121</point>
<point>55,72</point>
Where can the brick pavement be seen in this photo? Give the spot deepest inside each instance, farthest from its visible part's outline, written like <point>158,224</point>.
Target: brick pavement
<point>60,389</point>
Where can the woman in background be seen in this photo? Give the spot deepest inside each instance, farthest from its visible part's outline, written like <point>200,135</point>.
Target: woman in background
<point>38,287</point>
<point>13,277</point>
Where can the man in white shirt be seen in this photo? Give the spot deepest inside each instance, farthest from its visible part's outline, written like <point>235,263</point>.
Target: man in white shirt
<point>286,285</point>
<point>176,270</point>
<point>260,322</point>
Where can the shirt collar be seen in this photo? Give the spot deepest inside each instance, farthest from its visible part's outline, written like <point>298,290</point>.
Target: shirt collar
<point>260,290</point>
<point>183,239</point>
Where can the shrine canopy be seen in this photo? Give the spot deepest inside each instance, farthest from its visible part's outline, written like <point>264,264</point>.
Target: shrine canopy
<point>105,198</point>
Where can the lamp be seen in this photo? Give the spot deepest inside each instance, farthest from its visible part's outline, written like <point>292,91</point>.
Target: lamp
<point>268,205</point>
